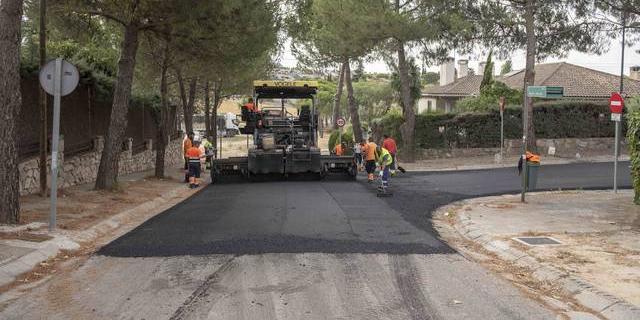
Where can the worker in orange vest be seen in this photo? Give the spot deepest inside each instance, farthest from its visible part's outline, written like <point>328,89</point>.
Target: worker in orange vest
<point>370,159</point>
<point>339,149</point>
<point>187,143</point>
<point>251,106</point>
<point>195,156</point>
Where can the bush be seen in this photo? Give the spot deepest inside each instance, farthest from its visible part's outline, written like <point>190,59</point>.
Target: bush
<point>489,98</point>
<point>347,138</point>
<point>482,130</point>
<point>633,135</point>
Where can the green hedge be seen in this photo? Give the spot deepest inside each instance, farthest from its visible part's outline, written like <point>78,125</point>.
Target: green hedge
<point>482,130</point>
<point>633,135</point>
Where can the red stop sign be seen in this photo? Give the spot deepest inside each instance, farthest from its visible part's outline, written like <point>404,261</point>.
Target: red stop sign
<point>616,103</point>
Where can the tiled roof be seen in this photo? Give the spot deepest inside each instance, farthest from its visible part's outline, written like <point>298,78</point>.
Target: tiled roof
<point>465,86</point>
<point>578,82</point>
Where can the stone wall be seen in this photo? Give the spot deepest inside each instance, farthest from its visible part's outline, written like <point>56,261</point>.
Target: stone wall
<point>83,168</point>
<point>565,148</point>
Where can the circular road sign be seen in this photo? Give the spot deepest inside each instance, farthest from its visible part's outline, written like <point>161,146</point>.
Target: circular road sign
<point>616,103</point>
<point>340,122</point>
<point>70,77</point>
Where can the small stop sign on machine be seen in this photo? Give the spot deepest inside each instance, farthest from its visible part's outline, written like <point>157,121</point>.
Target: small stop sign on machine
<point>616,104</point>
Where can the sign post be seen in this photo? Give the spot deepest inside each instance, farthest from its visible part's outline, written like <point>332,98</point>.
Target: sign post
<point>616,104</point>
<point>340,122</point>
<point>544,92</point>
<point>502,103</point>
<point>58,78</point>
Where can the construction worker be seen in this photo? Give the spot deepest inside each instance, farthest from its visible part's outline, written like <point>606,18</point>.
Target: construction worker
<point>195,156</point>
<point>357,153</point>
<point>187,143</point>
<point>390,144</point>
<point>339,149</point>
<point>251,106</point>
<point>370,159</point>
<point>384,161</point>
<point>206,148</point>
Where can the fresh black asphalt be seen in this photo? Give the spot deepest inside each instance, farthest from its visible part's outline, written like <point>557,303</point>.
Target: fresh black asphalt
<point>334,216</point>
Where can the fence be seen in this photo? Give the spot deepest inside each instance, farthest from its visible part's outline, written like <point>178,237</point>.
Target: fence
<point>82,117</point>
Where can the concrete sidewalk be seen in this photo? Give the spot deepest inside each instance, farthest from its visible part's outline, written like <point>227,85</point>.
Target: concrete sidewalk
<point>597,260</point>
<point>86,219</point>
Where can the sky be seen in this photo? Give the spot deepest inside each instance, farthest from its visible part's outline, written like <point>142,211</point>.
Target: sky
<point>607,62</point>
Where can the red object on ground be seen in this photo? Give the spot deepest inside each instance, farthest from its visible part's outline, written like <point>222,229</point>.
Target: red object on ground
<point>616,103</point>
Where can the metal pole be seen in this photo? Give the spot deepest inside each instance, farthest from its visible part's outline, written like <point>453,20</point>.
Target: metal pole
<point>525,116</point>
<point>57,84</point>
<point>617,136</point>
<point>501,136</point>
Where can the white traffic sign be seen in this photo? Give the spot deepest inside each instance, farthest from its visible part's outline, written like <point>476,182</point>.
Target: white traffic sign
<point>58,78</point>
<point>341,122</point>
<point>616,117</point>
<point>69,81</point>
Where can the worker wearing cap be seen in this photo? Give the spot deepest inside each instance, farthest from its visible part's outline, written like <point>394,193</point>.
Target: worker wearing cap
<point>194,156</point>
<point>384,161</point>
<point>390,144</point>
<point>370,159</point>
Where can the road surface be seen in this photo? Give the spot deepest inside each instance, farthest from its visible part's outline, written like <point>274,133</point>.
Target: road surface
<point>300,250</point>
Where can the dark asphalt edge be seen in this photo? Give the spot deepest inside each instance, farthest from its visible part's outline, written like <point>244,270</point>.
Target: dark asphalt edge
<point>155,217</point>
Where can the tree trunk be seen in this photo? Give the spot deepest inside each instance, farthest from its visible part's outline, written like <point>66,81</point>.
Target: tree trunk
<point>407,128</point>
<point>338,97</point>
<point>187,113</point>
<point>530,73</point>
<point>108,170</point>
<point>353,106</point>
<point>162,138</point>
<point>217,99</point>
<point>10,104</point>
<point>207,109</point>
<point>44,132</point>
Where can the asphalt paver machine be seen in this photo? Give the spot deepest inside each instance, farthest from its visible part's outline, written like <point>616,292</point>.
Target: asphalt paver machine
<point>283,142</point>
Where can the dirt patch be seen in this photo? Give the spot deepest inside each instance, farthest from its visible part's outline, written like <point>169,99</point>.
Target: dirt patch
<point>520,276</point>
<point>24,235</point>
<point>600,259</point>
<point>80,207</point>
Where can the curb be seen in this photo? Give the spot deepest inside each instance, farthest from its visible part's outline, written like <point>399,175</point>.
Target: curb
<point>582,291</point>
<point>513,165</point>
<point>65,240</point>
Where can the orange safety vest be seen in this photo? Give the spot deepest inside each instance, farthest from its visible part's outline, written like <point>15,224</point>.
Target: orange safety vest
<point>371,151</point>
<point>187,146</point>
<point>251,107</point>
<point>194,154</point>
<point>338,150</point>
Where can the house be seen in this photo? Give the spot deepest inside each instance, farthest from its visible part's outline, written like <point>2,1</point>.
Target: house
<point>579,83</point>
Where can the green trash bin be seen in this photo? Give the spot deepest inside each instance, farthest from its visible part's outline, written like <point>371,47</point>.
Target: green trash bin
<point>532,175</point>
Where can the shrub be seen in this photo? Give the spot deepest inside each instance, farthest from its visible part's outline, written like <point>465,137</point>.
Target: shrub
<point>347,138</point>
<point>490,97</point>
<point>633,136</point>
<point>482,129</point>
